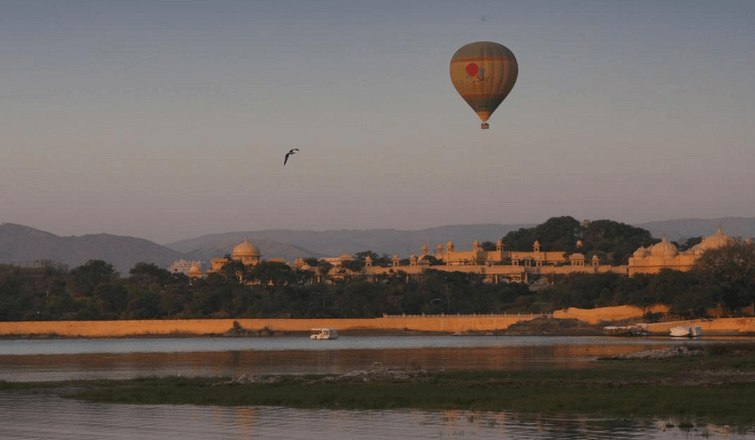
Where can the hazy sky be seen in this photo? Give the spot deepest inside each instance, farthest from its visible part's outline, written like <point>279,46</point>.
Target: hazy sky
<point>167,120</point>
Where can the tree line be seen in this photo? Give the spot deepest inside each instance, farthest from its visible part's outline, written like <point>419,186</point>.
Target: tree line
<point>723,278</point>
<point>94,291</point>
<point>611,241</point>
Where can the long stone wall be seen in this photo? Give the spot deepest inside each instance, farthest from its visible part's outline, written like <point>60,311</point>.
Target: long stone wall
<point>608,314</point>
<point>199,327</point>
<point>441,324</point>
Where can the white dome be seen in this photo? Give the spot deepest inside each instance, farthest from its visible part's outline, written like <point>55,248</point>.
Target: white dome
<point>245,249</point>
<point>664,249</point>
<point>713,241</point>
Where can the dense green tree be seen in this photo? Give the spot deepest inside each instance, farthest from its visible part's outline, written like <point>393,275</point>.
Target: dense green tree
<point>671,287</point>
<point>11,284</point>
<point>233,270</point>
<point>112,300</point>
<point>85,278</point>
<point>211,297</point>
<point>143,304</point>
<point>150,275</point>
<point>361,299</point>
<point>585,291</point>
<point>617,240</point>
<point>613,242</point>
<point>175,297</point>
<point>272,273</point>
<point>634,291</point>
<point>729,273</point>
<point>556,234</point>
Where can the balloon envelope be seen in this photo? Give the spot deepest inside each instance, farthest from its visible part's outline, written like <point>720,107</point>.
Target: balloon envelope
<point>484,73</point>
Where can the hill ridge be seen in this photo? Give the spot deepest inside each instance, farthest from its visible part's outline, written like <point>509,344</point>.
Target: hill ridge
<point>19,243</point>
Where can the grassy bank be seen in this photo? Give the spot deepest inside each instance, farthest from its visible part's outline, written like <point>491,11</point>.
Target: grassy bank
<point>715,387</point>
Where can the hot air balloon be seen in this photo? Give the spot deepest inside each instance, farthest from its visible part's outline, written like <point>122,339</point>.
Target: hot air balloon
<point>484,73</point>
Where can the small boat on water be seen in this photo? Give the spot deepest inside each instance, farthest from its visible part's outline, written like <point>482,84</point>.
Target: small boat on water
<point>323,333</point>
<point>679,332</point>
<point>686,332</point>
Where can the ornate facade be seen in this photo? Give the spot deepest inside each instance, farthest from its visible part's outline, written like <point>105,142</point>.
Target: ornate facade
<point>496,265</point>
<point>246,253</point>
<point>666,255</point>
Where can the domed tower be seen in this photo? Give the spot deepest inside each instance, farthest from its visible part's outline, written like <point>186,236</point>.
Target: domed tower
<point>713,242</point>
<point>641,252</point>
<point>195,271</point>
<point>664,249</point>
<point>247,253</point>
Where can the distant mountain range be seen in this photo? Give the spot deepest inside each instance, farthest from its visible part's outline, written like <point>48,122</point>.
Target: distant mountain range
<point>679,230</point>
<point>24,245</point>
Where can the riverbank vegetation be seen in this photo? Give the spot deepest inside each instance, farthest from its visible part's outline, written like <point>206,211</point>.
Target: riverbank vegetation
<point>722,278</point>
<point>715,386</point>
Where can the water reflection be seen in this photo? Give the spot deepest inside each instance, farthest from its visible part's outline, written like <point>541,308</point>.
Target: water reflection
<point>68,419</point>
<point>23,360</point>
<point>22,368</point>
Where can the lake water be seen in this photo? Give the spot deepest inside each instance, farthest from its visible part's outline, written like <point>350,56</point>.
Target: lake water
<point>41,416</point>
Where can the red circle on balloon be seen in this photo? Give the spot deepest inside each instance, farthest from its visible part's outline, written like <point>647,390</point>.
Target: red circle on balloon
<point>472,69</point>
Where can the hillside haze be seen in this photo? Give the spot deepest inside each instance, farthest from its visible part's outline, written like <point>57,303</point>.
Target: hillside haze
<point>25,245</point>
<point>682,229</point>
<point>349,241</point>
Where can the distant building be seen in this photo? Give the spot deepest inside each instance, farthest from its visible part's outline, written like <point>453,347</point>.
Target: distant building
<point>665,255</point>
<point>495,266</point>
<point>246,253</point>
<point>184,266</point>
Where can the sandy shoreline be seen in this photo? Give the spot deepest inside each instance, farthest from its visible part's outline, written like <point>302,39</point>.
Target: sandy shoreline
<point>513,325</point>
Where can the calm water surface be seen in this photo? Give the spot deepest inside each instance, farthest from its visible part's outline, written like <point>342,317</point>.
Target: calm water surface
<point>41,416</point>
<point>37,417</point>
<point>61,359</point>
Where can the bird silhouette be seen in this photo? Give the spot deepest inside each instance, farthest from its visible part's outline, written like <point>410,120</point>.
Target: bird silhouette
<point>290,152</point>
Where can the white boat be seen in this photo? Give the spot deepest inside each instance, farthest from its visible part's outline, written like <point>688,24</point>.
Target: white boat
<point>679,332</point>
<point>324,333</point>
<point>686,332</point>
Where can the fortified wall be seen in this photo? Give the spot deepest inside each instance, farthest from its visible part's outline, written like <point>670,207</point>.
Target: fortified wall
<point>445,324</point>
<point>208,327</point>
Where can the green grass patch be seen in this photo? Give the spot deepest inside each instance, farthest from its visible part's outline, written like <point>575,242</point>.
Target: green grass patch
<point>726,403</point>
<point>716,388</point>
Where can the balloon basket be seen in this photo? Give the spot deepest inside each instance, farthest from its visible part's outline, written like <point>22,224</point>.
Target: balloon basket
<point>484,126</point>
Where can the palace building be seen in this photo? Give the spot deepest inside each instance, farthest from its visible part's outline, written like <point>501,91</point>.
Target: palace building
<point>495,266</point>
<point>246,253</point>
<point>665,255</point>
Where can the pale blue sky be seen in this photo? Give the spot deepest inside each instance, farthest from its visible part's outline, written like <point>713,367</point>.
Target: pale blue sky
<point>167,120</point>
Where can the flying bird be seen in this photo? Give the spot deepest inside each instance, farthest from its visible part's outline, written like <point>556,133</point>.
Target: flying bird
<point>290,152</point>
